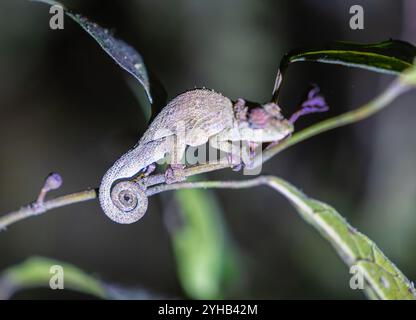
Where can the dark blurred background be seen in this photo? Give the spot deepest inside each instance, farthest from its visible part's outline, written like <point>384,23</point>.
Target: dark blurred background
<point>65,106</point>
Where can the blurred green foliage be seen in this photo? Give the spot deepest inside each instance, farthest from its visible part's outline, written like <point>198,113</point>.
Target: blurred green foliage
<point>68,92</point>
<point>205,258</point>
<point>36,272</point>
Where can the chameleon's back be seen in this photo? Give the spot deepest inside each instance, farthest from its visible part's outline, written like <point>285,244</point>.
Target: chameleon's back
<point>201,111</point>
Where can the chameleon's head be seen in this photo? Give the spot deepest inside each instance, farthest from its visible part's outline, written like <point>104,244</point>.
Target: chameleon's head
<point>267,123</point>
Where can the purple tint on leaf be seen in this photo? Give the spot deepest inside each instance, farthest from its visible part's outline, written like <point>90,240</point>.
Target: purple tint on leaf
<point>313,104</point>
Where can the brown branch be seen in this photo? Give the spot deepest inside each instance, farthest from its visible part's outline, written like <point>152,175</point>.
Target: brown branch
<point>35,208</point>
<point>40,206</point>
<point>156,183</point>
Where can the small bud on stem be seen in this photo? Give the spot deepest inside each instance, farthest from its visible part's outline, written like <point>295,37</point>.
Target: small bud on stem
<point>52,182</point>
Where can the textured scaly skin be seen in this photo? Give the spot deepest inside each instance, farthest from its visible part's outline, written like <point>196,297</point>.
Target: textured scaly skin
<point>192,118</point>
<point>195,115</point>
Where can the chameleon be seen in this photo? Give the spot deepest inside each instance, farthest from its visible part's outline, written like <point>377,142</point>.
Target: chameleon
<point>192,118</point>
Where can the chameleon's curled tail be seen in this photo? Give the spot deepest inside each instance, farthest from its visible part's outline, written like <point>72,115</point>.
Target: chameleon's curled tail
<point>122,201</point>
<point>125,201</point>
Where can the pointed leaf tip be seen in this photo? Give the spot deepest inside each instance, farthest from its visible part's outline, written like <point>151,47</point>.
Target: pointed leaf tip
<point>121,52</point>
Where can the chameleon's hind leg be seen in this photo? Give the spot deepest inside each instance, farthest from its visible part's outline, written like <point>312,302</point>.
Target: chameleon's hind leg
<point>145,173</point>
<point>149,169</point>
<point>175,171</point>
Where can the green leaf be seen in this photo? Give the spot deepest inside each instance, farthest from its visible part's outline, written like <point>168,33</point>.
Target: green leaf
<point>35,272</point>
<point>121,52</point>
<point>390,57</point>
<point>159,95</point>
<point>383,280</point>
<point>206,262</point>
<point>408,77</point>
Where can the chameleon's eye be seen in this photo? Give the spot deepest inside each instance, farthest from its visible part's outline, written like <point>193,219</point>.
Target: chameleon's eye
<point>258,118</point>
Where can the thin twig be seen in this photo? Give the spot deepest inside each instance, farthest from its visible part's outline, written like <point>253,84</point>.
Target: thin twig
<point>208,184</point>
<point>34,209</point>
<point>382,277</point>
<point>395,89</point>
<point>190,171</point>
<point>274,182</point>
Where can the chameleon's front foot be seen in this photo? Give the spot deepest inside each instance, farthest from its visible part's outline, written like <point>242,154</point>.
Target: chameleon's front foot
<point>235,161</point>
<point>175,173</point>
<point>245,158</point>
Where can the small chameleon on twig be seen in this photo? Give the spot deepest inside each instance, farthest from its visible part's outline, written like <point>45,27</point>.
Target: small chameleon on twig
<point>192,119</point>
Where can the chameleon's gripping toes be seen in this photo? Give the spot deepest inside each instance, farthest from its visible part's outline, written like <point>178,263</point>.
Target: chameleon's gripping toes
<point>191,119</point>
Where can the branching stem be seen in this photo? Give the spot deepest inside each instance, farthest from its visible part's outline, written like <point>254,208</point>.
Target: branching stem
<point>156,183</point>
